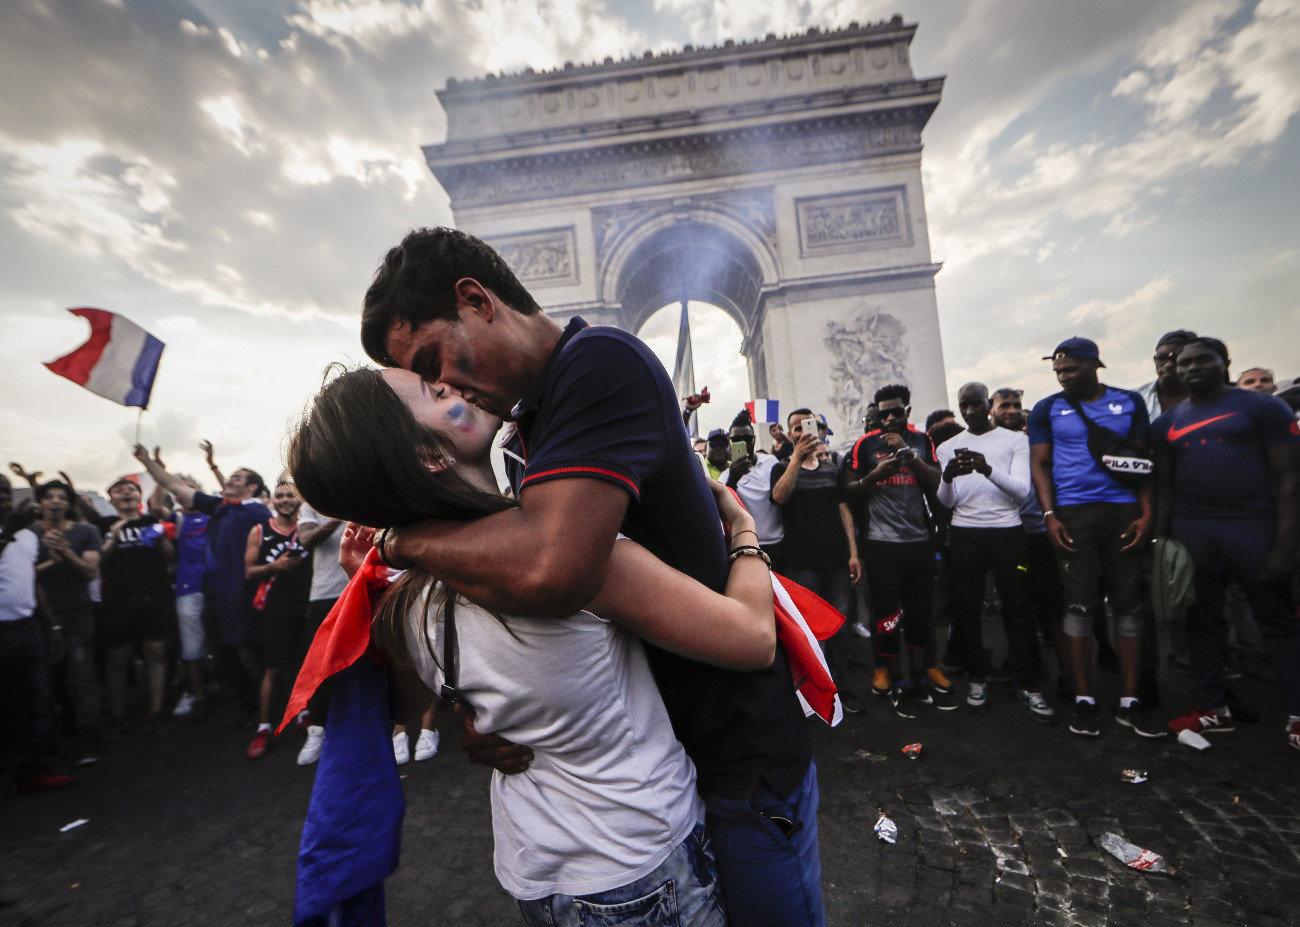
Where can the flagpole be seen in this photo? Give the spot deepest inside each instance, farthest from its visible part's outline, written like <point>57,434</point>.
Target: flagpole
<point>138,419</point>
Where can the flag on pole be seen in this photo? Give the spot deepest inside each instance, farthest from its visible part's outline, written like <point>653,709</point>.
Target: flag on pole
<point>684,369</point>
<point>118,362</point>
<point>764,410</point>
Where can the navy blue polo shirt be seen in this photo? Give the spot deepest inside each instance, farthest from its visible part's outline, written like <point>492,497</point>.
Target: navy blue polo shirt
<point>604,408</point>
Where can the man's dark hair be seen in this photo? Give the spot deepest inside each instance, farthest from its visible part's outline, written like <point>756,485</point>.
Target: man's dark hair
<point>893,391</point>
<point>46,488</point>
<point>1007,391</point>
<point>945,431</point>
<point>1179,336</point>
<point>801,412</point>
<point>416,283</point>
<point>253,478</point>
<point>938,415</point>
<point>742,419</point>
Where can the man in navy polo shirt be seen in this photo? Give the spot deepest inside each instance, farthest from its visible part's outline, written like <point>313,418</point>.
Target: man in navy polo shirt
<point>1229,473</point>
<point>599,447</point>
<point>1098,527</point>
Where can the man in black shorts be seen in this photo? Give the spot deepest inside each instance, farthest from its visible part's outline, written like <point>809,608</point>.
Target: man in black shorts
<point>280,567</point>
<point>136,604</point>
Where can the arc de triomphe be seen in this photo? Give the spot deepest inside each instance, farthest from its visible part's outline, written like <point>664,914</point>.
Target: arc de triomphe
<point>779,180</point>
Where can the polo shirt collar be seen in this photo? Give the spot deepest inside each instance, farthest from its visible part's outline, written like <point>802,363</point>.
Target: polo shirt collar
<point>532,400</point>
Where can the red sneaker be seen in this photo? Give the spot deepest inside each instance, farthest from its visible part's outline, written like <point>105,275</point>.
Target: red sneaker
<point>1203,721</point>
<point>1293,734</point>
<point>44,782</point>
<point>261,743</point>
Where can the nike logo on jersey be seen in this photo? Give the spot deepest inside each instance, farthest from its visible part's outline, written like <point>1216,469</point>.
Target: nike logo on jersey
<point>1116,409</point>
<point>1067,411</point>
<point>1176,433</point>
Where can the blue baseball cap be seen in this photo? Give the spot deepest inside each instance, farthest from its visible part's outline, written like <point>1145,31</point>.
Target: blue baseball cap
<point>1077,347</point>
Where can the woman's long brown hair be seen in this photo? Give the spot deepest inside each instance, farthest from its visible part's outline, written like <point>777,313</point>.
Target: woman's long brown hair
<point>360,455</point>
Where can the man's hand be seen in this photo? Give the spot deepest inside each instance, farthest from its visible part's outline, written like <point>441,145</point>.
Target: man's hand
<point>32,479</point>
<point>738,469</point>
<point>1137,533</point>
<point>206,447</point>
<point>885,469</point>
<point>1057,534</point>
<point>975,460</point>
<point>855,570</point>
<point>695,400</point>
<point>353,547</point>
<point>804,448</point>
<point>141,453</point>
<point>893,440</point>
<point>955,468</point>
<point>491,750</point>
<point>55,543</point>
<point>157,457</point>
<point>1278,567</point>
<point>287,561</point>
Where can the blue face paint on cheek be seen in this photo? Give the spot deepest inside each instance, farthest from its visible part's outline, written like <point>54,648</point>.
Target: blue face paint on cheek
<point>458,416</point>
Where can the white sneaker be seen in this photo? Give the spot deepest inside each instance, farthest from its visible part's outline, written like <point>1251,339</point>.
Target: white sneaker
<point>310,751</point>
<point>401,748</point>
<point>184,705</point>
<point>861,630</point>
<point>426,748</point>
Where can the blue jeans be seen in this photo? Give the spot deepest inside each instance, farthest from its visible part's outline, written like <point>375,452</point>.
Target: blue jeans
<point>681,892</point>
<point>771,875</point>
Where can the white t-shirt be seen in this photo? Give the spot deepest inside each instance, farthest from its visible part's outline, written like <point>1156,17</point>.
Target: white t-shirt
<point>610,792</point>
<point>327,578</point>
<point>754,489</point>
<point>979,501</point>
<point>18,577</point>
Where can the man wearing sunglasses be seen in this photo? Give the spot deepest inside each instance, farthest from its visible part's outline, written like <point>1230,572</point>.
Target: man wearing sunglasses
<point>893,469</point>
<point>1166,390</point>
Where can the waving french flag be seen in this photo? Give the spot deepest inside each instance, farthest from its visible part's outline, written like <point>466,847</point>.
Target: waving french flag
<point>119,362</point>
<point>764,410</point>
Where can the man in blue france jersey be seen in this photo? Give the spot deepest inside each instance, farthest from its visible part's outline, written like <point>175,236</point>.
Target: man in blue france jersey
<point>599,447</point>
<point>1098,527</point>
<point>1228,487</point>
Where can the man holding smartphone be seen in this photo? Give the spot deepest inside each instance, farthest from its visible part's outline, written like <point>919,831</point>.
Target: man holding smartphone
<point>750,475</point>
<point>893,469</point>
<point>821,547</point>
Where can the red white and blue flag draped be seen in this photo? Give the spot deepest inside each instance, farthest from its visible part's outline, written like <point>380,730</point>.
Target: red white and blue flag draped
<point>118,362</point>
<point>351,840</point>
<point>764,410</point>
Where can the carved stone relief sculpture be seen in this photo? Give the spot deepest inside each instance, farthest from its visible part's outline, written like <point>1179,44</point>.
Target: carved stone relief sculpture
<point>868,351</point>
<point>540,258</point>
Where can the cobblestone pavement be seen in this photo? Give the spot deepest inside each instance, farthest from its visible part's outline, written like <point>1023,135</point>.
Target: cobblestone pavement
<point>998,823</point>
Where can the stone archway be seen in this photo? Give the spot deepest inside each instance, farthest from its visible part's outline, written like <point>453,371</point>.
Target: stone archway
<point>778,180</point>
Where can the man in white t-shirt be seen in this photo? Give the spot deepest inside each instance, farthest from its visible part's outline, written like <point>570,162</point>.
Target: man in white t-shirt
<point>985,479</point>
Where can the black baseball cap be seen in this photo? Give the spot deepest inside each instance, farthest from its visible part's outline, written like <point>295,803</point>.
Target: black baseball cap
<point>1077,347</point>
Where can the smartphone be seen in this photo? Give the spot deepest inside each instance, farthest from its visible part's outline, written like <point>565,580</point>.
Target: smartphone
<point>810,426</point>
<point>739,449</point>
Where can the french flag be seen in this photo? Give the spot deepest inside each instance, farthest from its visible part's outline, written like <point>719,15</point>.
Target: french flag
<point>764,410</point>
<point>119,362</point>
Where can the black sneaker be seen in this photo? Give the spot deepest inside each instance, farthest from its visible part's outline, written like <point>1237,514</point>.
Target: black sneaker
<point>904,705</point>
<point>1136,718</point>
<point>850,703</point>
<point>1084,720</point>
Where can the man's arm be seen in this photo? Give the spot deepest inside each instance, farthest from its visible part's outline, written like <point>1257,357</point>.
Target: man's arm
<point>1040,469</point>
<point>314,533</point>
<point>548,556</point>
<point>206,447</point>
<point>184,494</point>
<point>784,488</point>
<point>850,532</point>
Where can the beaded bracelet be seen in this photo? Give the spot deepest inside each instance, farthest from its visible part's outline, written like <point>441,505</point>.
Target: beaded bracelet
<point>749,551</point>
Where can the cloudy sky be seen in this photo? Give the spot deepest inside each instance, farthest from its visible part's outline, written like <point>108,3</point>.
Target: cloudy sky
<point>228,172</point>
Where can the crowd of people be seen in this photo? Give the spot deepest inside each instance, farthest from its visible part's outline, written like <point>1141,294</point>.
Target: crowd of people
<point>188,591</point>
<point>649,696</point>
<point>1045,518</point>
